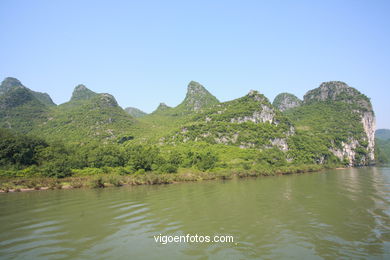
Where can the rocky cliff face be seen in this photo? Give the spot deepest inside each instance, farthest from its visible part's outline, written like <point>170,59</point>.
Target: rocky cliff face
<point>264,113</point>
<point>285,101</point>
<point>197,97</point>
<point>347,151</point>
<point>107,100</point>
<point>338,91</point>
<point>369,125</point>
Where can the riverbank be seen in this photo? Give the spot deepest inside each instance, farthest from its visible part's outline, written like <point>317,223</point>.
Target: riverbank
<point>102,180</point>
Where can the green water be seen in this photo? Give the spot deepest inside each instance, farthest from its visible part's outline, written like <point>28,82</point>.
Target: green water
<point>327,215</point>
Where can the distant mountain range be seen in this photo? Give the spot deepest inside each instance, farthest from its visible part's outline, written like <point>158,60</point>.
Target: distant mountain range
<point>383,134</point>
<point>135,112</point>
<point>383,145</point>
<point>333,122</point>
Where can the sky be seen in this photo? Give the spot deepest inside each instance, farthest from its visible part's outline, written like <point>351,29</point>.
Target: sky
<point>146,52</point>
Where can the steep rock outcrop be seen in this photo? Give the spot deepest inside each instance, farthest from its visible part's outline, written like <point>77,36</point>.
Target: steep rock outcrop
<point>347,151</point>
<point>369,125</point>
<point>107,100</point>
<point>264,113</point>
<point>197,98</point>
<point>337,91</point>
<point>81,92</point>
<point>285,101</point>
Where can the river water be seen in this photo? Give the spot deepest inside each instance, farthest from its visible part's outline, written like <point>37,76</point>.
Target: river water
<point>326,215</point>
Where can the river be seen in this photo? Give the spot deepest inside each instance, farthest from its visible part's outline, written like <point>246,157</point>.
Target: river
<point>325,215</point>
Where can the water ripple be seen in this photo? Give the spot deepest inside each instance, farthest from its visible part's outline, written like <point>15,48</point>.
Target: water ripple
<point>335,214</point>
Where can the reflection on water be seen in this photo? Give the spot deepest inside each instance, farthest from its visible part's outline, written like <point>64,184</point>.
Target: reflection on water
<point>332,214</point>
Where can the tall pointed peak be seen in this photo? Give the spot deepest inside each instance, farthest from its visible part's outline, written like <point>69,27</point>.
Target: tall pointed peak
<point>80,87</point>
<point>194,88</point>
<point>195,85</point>
<point>198,97</point>
<point>81,92</point>
<point>9,83</point>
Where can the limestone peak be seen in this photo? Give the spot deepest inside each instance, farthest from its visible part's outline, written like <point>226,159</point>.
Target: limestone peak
<point>337,91</point>
<point>11,83</point>
<point>198,97</point>
<point>8,84</point>
<point>81,92</point>
<point>285,101</point>
<point>162,106</point>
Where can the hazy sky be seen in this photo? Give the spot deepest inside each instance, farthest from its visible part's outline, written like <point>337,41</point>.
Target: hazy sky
<point>146,52</point>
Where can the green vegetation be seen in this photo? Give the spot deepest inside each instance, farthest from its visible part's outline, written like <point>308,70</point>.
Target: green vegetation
<point>92,142</point>
<point>249,121</point>
<point>25,159</point>
<point>323,126</point>
<point>96,118</point>
<point>9,84</point>
<point>383,151</point>
<point>20,110</point>
<point>18,151</point>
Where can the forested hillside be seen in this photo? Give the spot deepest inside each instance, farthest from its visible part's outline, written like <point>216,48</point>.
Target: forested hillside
<point>91,134</point>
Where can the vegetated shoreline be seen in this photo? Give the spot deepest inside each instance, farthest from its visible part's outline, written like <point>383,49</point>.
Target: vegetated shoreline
<point>24,184</point>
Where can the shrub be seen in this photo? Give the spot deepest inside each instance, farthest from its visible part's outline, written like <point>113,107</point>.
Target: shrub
<point>114,180</point>
<point>168,168</point>
<point>140,171</point>
<point>96,183</point>
<point>57,168</point>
